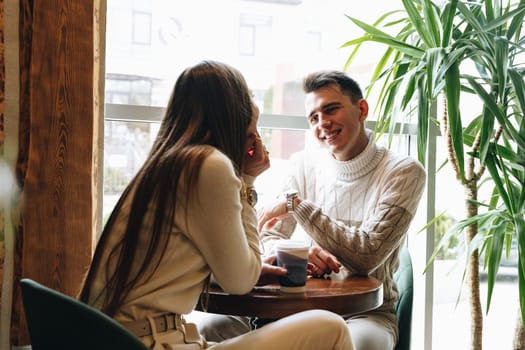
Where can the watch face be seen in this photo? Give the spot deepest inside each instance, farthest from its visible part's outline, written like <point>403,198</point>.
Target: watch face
<point>291,193</point>
<point>252,197</point>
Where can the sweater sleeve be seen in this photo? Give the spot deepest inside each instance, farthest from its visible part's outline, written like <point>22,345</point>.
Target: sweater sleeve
<point>224,227</point>
<point>363,246</point>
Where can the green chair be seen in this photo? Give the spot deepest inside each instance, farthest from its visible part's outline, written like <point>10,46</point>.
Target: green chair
<point>404,280</point>
<point>57,321</point>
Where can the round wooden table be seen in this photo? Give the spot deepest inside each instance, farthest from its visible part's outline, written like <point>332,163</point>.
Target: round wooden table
<point>344,297</point>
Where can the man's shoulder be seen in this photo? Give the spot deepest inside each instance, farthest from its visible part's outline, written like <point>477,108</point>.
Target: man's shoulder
<point>395,161</point>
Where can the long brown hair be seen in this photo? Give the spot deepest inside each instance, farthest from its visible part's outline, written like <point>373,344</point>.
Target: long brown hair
<point>210,108</point>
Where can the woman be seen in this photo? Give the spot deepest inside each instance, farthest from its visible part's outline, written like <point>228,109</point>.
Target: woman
<point>186,216</point>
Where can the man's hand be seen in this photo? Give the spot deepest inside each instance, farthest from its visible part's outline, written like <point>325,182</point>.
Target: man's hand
<point>270,272</point>
<point>322,262</point>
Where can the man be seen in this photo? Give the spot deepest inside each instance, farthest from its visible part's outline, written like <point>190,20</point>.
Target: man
<point>353,198</point>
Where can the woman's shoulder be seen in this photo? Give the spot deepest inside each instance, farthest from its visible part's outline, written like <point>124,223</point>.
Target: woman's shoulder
<point>217,164</point>
<point>217,174</point>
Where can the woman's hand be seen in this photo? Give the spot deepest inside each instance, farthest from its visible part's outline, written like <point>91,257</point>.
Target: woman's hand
<point>270,272</point>
<point>269,214</point>
<point>256,159</point>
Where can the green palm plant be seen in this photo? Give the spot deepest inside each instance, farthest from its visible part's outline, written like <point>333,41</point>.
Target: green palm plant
<point>443,52</point>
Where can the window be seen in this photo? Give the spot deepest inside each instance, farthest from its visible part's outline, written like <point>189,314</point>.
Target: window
<point>128,89</point>
<point>141,28</point>
<point>254,33</point>
<point>274,43</point>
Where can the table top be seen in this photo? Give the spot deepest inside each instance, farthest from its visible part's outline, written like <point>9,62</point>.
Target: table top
<point>344,297</point>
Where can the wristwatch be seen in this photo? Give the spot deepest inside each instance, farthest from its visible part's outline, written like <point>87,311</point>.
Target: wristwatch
<point>290,198</point>
<point>251,196</point>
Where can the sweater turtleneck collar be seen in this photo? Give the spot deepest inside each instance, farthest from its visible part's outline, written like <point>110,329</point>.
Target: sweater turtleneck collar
<point>361,165</point>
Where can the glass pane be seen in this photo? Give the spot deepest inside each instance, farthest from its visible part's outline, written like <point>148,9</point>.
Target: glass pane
<point>274,43</point>
<point>126,145</point>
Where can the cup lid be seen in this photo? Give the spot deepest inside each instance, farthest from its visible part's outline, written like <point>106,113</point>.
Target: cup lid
<point>287,244</point>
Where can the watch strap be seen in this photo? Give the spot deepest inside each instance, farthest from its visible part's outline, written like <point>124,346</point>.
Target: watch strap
<point>290,201</point>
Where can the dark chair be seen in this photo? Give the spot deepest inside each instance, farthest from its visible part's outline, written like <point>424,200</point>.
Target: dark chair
<point>57,321</point>
<point>405,284</point>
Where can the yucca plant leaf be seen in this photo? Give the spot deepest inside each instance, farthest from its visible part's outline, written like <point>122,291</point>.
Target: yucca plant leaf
<point>390,106</point>
<point>419,23</point>
<point>494,198</point>
<point>486,132</point>
<point>473,18</point>
<point>509,190</point>
<point>494,108</point>
<point>434,59</point>
<point>491,162</point>
<point>433,23</point>
<point>394,43</point>
<point>422,121</point>
<point>358,45</point>
<point>449,13</point>
<point>501,20</point>
<point>352,55</point>
<point>502,58</point>
<point>452,91</point>
<point>468,140</point>
<point>518,85</point>
<point>380,66</point>
<point>489,10</point>
<point>517,20</point>
<point>411,84</point>
<point>451,58</point>
<point>498,232</point>
<point>472,129</point>
<point>388,101</point>
<point>458,228</point>
<point>375,35</point>
<point>511,157</point>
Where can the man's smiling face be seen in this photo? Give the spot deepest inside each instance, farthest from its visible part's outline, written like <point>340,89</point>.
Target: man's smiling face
<point>336,122</point>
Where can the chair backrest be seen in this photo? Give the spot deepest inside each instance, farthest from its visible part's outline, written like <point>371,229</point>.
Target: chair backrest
<point>57,321</point>
<point>404,280</point>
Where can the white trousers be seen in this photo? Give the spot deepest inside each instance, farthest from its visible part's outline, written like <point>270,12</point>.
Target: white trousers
<point>308,330</point>
<point>368,332</point>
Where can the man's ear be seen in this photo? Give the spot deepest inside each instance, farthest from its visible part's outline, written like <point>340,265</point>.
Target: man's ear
<point>363,107</point>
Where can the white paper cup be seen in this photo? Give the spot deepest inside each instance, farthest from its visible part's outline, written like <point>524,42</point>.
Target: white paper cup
<point>293,256</point>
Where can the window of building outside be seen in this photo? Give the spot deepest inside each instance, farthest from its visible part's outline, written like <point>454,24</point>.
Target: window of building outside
<point>275,43</point>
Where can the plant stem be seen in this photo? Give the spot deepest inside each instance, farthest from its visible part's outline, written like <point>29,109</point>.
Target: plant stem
<point>519,333</point>
<point>476,328</point>
<point>471,196</point>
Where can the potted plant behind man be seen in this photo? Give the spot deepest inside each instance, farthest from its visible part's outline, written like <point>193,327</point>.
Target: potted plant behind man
<point>443,51</point>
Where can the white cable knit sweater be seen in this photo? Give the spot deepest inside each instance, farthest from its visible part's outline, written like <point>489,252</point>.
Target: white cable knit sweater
<point>359,210</point>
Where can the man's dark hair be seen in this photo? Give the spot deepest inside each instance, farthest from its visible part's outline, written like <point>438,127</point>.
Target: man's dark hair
<point>315,81</point>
